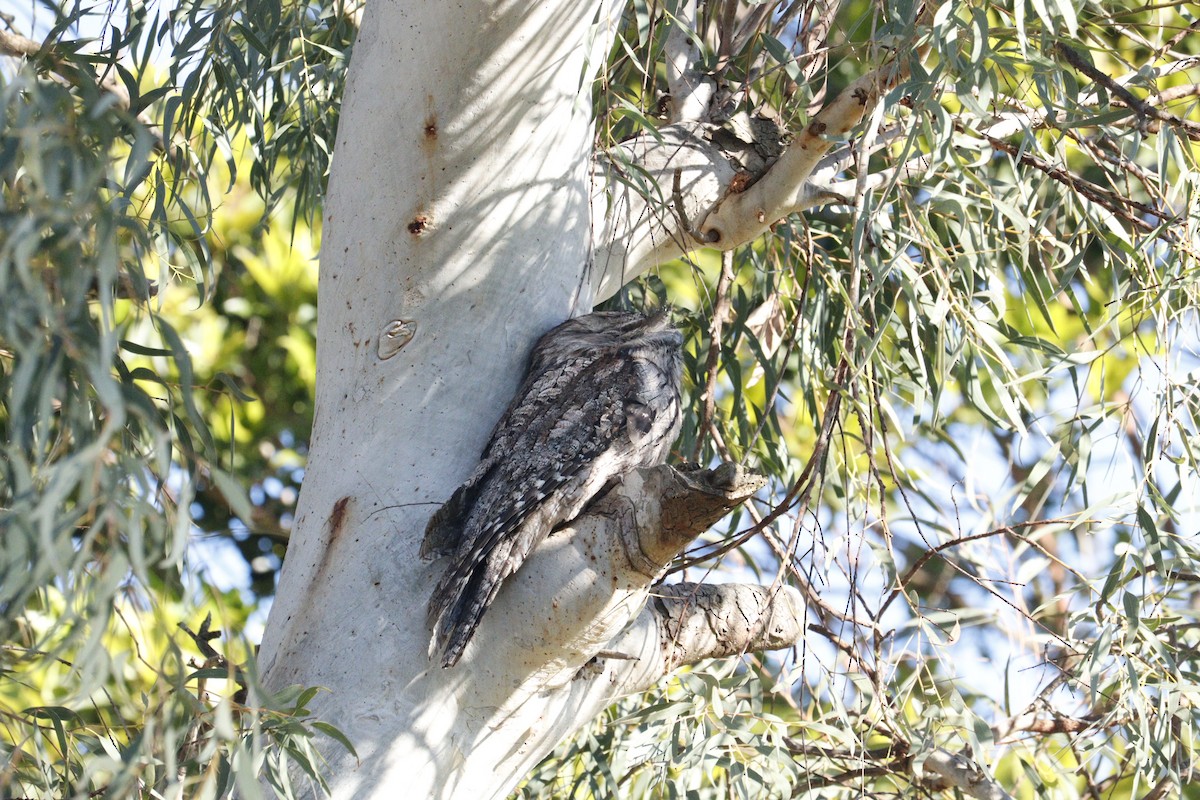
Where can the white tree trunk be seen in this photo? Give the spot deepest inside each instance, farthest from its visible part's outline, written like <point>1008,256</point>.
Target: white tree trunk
<point>457,230</point>
<point>458,213</point>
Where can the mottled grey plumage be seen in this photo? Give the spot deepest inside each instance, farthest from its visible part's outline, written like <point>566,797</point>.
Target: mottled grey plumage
<point>601,399</point>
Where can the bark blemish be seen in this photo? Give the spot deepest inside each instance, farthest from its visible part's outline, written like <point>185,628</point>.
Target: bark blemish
<point>431,120</point>
<point>336,522</point>
<point>429,136</point>
<point>395,335</point>
<point>420,223</point>
<point>337,518</point>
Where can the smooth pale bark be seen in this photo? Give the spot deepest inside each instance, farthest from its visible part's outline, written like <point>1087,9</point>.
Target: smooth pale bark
<point>943,769</point>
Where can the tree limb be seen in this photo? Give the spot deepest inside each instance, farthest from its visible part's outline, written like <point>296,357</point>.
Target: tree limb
<point>673,507</point>
<point>699,621</point>
<point>654,514</point>
<point>596,574</point>
<point>957,771</point>
<point>642,223</point>
<point>721,310</point>
<point>1144,109</point>
<point>783,190</point>
<point>724,212</point>
<point>632,198</point>
<point>734,203</point>
<point>690,90</point>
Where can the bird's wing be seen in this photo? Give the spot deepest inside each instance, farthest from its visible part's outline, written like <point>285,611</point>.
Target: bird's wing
<point>557,448</point>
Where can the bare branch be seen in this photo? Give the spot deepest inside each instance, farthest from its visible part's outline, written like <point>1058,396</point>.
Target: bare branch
<point>1118,204</point>
<point>1173,93</point>
<point>743,217</point>
<point>725,32</point>
<point>721,306</point>
<point>1031,723</point>
<point>1166,786</point>
<point>699,621</point>
<point>13,44</point>
<point>1077,60</point>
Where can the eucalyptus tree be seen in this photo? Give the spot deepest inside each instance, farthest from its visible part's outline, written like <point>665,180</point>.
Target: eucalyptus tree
<point>936,269</point>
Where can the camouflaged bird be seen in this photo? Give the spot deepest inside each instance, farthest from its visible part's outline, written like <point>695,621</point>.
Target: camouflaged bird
<point>601,399</point>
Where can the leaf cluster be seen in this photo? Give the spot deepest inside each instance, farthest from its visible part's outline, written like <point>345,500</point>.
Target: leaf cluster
<point>970,374</point>
<point>111,421</point>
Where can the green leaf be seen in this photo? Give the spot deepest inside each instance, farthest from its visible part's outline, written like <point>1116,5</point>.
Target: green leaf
<point>336,735</point>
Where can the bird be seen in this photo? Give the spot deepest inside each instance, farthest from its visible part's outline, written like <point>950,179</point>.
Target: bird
<point>601,399</point>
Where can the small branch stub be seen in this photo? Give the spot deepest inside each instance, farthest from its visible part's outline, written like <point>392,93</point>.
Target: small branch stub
<point>684,505</point>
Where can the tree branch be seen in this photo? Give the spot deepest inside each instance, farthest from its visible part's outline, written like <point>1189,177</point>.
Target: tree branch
<point>721,309</point>
<point>596,575</point>
<point>14,44</point>
<point>643,224</point>
<point>65,72</point>
<point>1144,109</point>
<point>783,190</point>
<point>690,90</point>
<point>699,621</point>
<point>957,771</point>
<point>672,507</point>
<point>1117,204</point>
<point>735,203</point>
<point>651,516</point>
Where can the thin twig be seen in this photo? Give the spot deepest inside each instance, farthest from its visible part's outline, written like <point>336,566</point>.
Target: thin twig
<point>937,549</point>
<point>1114,202</point>
<point>721,304</point>
<point>1077,60</point>
<point>67,73</point>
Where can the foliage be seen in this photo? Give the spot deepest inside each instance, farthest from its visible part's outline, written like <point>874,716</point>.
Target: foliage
<point>971,379</point>
<point>111,418</point>
<point>133,711</point>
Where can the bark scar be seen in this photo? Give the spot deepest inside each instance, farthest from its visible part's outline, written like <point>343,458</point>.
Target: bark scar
<point>337,517</point>
<point>337,521</point>
<point>420,223</point>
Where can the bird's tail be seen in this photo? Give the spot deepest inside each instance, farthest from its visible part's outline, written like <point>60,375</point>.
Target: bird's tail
<point>458,602</point>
